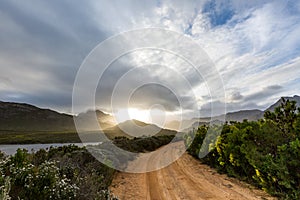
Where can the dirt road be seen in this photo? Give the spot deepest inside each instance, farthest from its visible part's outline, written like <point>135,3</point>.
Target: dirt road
<point>186,178</point>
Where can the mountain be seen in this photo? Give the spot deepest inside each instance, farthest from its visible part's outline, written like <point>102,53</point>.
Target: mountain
<point>25,117</point>
<point>251,115</point>
<point>172,125</point>
<point>17,119</point>
<point>294,98</point>
<point>135,128</point>
<point>186,125</point>
<point>85,119</point>
<point>180,125</point>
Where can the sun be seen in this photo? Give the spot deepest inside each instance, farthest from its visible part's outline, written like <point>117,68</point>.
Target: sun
<point>132,113</point>
<point>141,115</point>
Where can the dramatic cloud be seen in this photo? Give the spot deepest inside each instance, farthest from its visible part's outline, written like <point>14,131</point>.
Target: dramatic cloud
<point>254,45</point>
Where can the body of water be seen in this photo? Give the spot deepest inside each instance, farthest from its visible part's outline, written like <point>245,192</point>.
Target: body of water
<point>10,149</point>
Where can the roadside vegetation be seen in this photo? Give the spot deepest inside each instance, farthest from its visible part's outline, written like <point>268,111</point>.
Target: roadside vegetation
<point>67,172</point>
<point>265,153</point>
<point>144,144</point>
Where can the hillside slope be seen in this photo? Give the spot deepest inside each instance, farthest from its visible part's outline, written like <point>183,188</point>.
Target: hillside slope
<point>294,98</point>
<point>25,117</point>
<point>135,128</point>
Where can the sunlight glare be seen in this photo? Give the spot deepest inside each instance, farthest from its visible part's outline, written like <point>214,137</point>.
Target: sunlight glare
<point>133,113</point>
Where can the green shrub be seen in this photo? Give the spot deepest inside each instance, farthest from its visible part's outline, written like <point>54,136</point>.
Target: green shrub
<point>265,153</point>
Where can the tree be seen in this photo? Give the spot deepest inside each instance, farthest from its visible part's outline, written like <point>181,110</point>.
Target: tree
<point>284,117</point>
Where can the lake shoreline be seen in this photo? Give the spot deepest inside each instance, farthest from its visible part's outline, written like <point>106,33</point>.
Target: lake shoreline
<point>10,149</point>
<point>38,137</point>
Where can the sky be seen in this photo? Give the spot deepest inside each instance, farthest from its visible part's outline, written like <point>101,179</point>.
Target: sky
<point>254,45</point>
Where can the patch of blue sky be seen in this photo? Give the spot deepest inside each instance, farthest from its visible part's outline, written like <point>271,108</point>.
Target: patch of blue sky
<point>280,59</point>
<point>292,87</point>
<point>217,16</point>
<point>280,52</point>
<point>292,7</point>
<point>295,81</point>
<point>188,30</point>
<point>158,3</point>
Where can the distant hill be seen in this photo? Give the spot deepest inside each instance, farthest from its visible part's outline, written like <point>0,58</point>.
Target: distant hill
<point>294,98</point>
<point>135,128</point>
<point>25,117</point>
<point>251,115</point>
<point>105,120</point>
<point>180,125</point>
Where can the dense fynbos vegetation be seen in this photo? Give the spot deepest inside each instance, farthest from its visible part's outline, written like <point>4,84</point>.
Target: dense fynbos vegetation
<point>142,144</point>
<point>265,153</point>
<point>67,172</point>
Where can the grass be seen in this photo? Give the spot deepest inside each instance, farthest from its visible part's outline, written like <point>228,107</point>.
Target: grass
<point>33,137</point>
<point>46,137</point>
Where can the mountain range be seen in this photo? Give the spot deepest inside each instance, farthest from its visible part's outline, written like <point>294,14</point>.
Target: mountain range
<point>25,117</point>
<point>250,115</point>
